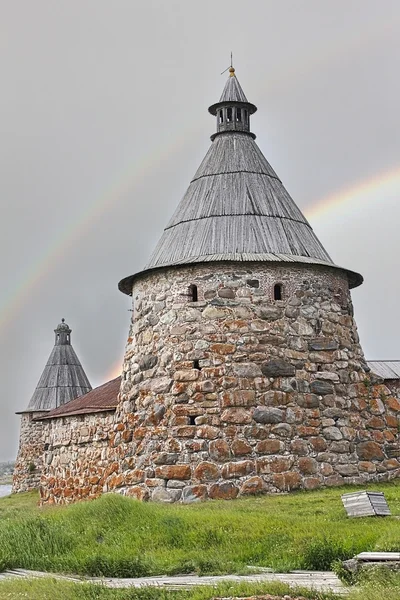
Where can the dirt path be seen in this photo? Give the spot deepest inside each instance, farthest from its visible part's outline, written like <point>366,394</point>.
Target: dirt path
<point>318,580</point>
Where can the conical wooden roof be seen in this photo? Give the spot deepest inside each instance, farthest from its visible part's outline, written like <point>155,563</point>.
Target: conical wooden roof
<point>232,91</point>
<point>63,378</point>
<point>236,207</point>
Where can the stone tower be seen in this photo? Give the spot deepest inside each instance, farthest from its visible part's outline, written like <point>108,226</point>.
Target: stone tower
<point>62,380</point>
<point>243,371</point>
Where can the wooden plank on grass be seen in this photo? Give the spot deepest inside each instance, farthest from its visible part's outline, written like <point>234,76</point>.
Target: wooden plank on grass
<point>365,504</point>
<point>378,556</point>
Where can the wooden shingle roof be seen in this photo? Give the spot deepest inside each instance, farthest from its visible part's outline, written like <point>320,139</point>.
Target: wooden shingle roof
<point>236,207</point>
<point>232,91</point>
<point>63,377</point>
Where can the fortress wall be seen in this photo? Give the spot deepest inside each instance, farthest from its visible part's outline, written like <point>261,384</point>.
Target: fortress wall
<point>237,393</point>
<point>29,462</point>
<point>76,461</point>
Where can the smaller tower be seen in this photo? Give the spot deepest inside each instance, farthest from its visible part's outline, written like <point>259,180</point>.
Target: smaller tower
<point>62,380</point>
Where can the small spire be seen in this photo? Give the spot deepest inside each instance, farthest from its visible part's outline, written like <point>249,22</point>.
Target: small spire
<point>230,69</point>
<point>232,93</point>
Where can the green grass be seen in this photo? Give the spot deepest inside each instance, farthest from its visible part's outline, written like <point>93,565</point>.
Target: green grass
<point>48,589</point>
<point>120,537</point>
<point>18,504</point>
<point>378,584</point>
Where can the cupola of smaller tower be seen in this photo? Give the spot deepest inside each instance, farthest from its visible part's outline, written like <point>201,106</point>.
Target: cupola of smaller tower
<point>63,334</point>
<point>233,109</point>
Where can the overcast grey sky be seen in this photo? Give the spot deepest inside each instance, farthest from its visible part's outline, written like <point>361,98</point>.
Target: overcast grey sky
<point>104,121</point>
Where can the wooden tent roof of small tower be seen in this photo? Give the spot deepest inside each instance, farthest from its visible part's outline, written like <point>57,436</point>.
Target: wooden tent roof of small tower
<point>63,377</point>
<point>236,208</point>
<point>232,91</point>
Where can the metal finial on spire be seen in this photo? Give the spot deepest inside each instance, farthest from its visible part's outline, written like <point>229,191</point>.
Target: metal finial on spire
<point>230,69</point>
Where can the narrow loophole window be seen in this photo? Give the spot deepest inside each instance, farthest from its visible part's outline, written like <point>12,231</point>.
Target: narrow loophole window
<point>192,419</point>
<point>239,115</point>
<point>339,297</point>
<point>278,291</point>
<point>196,364</point>
<point>229,115</point>
<point>318,326</point>
<point>192,293</point>
<point>221,116</point>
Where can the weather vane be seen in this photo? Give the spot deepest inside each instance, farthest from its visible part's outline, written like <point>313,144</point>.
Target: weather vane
<point>230,66</point>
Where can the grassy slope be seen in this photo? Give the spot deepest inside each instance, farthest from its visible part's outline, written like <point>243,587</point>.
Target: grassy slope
<point>116,536</point>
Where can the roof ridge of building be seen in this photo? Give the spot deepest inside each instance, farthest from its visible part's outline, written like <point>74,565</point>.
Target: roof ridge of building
<point>101,398</point>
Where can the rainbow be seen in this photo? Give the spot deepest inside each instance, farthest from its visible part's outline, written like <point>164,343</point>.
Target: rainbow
<point>115,371</point>
<point>42,264</point>
<point>378,187</point>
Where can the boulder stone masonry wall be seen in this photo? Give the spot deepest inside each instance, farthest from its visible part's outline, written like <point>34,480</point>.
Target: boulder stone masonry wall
<point>236,393</point>
<point>29,464</point>
<point>77,460</point>
<point>394,386</point>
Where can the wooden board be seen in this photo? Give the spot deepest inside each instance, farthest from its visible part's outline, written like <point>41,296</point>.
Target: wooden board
<point>378,556</point>
<point>316,580</point>
<point>365,504</point>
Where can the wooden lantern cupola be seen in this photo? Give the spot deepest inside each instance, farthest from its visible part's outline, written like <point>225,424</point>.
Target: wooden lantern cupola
<point>233,110</point>
<point>63,334</point>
